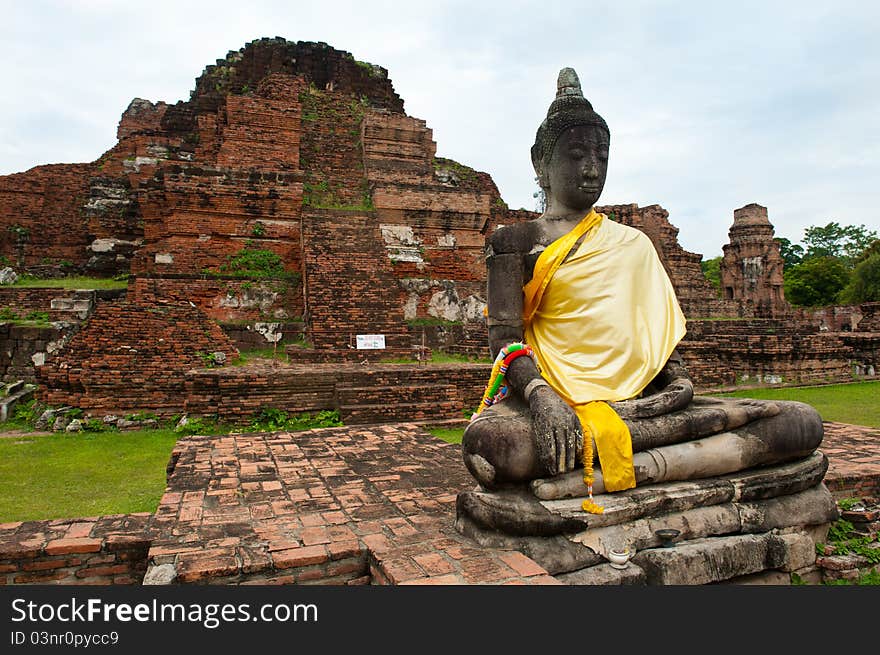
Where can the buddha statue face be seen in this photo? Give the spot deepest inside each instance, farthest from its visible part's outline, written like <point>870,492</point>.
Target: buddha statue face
<point>574,176</point>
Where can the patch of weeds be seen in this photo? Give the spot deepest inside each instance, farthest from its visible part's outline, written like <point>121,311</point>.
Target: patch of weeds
<point>39,317</point>
<point>195,426</point>
<point>258,229</point>
<point>8,314</point>
<point>271,418</point>
<point>848,503</point>
<point>431,321</point>
<point>460,171</point>
<point>254,263</point>
<point>844,540</point>
<point>209,360</point>
<point>96,425</point>
<point>797,580</point>
<point>142,416</point>
<point>871,578</point>
<point>26,413</point>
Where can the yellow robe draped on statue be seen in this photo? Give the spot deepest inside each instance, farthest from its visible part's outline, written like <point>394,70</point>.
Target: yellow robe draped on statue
<point>602,325</point>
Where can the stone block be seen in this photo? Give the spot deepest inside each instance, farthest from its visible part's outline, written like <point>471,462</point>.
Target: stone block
<point>714,559</point>
<point>799,551</point>
<point>605,575</point>
<point>162,574</point>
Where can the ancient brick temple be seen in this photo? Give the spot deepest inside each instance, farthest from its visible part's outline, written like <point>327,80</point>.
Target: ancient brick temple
<point>298,155</point>
<point>292,187</point>
<point>751,270</point>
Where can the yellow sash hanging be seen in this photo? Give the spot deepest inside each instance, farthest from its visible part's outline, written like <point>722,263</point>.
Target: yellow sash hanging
<point>550,260</point>
<point>598,420</point>
<point>613,442</point>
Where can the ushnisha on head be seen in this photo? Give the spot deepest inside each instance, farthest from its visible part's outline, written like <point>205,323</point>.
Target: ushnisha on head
<point>568,109</point>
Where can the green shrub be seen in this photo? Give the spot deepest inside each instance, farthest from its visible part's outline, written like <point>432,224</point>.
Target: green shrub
<point>196,426</point>
<point>39,317</point>
<point>843,538</point>
<point>254,263</point>
<point>270,419</point>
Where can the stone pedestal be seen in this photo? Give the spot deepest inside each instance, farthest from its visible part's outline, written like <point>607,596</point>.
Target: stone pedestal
<point>764,520</point>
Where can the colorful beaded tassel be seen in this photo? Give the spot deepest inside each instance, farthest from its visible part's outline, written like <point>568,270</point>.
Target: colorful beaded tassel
<point>497,390</point>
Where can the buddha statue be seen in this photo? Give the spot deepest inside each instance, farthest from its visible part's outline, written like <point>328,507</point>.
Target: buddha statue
<point>590,394</point>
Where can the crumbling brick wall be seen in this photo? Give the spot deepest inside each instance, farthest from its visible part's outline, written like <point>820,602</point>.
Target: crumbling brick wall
<point>23,346</point>
<point>130,356</point>
<point>728,352</point>
<point>104,550</point>
<point>41,215</point>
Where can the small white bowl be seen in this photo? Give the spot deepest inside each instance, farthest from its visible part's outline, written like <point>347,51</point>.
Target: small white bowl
<point>619,558</point>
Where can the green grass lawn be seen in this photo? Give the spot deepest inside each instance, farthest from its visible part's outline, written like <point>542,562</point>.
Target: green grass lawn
<point>449,435</point>
<point>247,356</point>
<point>439,357</point>
<point>855,403</point>
<point>86,474</point>
<point>72,282</point>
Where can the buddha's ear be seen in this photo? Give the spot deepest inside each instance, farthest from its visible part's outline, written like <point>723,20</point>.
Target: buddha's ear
<point>540,170</point>
<point>543,179</point>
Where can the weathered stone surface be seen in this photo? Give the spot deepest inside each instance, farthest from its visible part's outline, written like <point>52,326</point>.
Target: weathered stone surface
<point>556,554</point>
<point>8,276</point>
<point>703,561</point>
<point>640,534</point>
<point>799,551</point>
<point>813,506</point>
<point>517,512</point>
<point>779,480</point>
<point>163,574</point>
<point>764,578</point>
<point>605,575</point>
<point>651,500</point>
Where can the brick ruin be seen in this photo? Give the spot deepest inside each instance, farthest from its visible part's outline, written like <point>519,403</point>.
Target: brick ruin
<point>293,190</point>
<point>751,270</point>
<point>292,193</point>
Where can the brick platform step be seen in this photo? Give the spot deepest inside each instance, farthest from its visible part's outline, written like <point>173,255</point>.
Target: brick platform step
<point>298,354</point>
<point>392,412</point>
<point>413,394</point>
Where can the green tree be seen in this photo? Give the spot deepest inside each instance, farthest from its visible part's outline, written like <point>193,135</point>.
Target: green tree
<point>816,281</point>
<point>864,283</point>
<point>792,253</point>
<point>712,271</point>
<point>834,240</point>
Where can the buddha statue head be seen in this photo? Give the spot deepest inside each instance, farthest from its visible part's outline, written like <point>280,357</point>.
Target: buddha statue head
<point>570,153</point>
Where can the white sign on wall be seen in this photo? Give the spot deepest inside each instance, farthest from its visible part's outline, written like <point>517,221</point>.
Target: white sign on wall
<point>370,341</point>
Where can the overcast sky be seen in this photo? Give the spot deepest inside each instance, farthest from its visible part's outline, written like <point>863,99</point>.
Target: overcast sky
<point>711,106</point>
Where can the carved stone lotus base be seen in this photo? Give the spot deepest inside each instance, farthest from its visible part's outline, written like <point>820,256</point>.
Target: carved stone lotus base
<point>766,519</point>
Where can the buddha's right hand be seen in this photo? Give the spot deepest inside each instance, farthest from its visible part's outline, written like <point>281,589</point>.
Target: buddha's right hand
<point>557,430</point>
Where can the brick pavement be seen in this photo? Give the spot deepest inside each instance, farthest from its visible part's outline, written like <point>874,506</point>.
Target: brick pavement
<point>340,505</point>
<point>854,460</point>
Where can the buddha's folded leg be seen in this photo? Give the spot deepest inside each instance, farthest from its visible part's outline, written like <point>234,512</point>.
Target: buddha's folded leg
<point>702,417</point>
<point>794,432</point>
